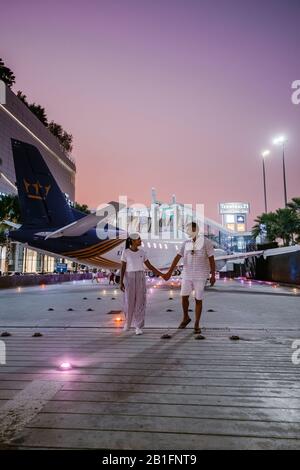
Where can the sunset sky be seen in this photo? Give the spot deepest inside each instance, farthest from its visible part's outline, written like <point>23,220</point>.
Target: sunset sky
<point>181,95</point>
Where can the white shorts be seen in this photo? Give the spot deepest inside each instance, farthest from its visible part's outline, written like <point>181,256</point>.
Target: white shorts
<point>188,285</point>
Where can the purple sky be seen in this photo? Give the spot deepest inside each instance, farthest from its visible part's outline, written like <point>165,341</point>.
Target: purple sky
<point>181,95</point>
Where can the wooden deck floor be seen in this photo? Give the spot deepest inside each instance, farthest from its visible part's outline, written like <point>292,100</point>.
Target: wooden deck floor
<point>128,392</point>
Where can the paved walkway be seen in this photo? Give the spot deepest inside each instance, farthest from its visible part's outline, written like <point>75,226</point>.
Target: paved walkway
<point>128,392</point>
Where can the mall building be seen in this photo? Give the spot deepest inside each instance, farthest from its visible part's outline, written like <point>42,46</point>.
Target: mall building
<point>167,218</point>
<point>18,122</point>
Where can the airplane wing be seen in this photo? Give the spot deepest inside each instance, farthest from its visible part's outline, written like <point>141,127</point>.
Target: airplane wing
<point>218,258</point>
<point>10,224</point>
<point>238,256</point>
<point>81,226</point>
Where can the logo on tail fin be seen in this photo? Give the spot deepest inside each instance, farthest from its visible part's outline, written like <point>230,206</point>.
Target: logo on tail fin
<point>36,190</point>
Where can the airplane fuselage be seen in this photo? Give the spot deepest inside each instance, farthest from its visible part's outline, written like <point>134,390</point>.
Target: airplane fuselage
<point>88,249</point>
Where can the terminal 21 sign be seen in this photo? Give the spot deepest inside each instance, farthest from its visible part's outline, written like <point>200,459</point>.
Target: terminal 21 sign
<point>234,208</point>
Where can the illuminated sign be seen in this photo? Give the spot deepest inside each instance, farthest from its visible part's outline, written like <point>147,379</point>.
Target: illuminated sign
<point>61,267</point>
<point>229,219</point>
<point>234,208</point>
<point>241,227</point>
<point>240,219</point>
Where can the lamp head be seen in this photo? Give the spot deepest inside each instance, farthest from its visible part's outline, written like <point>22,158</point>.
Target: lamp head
<point>265,153</point>
<point>280,140</point>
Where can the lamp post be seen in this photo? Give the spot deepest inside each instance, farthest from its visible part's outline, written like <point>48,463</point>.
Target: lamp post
<point>264,154</point>
<point>281,140</point>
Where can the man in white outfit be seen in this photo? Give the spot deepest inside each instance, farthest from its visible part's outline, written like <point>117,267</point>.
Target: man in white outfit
<point>198,265</point>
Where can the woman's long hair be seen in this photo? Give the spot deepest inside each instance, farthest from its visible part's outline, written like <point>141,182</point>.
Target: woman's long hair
<point>128,243</point>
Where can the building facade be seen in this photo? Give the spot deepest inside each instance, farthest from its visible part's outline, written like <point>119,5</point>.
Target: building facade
<point>18,122</point>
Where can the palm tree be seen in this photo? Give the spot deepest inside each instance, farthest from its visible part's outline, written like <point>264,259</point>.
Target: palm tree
<point>284,223</point>
<point>6,75</point>
<point>10,208</point>
<point>287,224</point>
<point>294,205</point>
<point>265,225</point>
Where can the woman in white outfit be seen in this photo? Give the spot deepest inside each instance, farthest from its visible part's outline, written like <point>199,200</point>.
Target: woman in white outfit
<point>133,282</point>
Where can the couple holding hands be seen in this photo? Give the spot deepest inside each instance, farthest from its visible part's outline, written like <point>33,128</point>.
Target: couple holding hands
<point>198,264</point>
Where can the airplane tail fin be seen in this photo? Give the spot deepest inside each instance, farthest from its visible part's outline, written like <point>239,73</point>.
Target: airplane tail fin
<point>42,202</point>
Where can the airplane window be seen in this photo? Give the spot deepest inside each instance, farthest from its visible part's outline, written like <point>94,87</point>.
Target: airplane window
<point>166,246</point>
<point>149,245</point>
<point>176,247</point>
<point>160,246</point>
<point>154,245</point>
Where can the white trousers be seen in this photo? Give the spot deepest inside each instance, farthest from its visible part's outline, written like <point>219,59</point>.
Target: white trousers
<point>135,298</point>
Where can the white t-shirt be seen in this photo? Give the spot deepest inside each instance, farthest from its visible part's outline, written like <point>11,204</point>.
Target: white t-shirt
<point>134,259</point>
<point>195,258</point>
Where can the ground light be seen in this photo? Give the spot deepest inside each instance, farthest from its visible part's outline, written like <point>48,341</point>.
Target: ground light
<point>65,366</point>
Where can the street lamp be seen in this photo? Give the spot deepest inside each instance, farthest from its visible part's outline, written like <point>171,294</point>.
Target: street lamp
<point>264,154</point>
<point>281,140</point>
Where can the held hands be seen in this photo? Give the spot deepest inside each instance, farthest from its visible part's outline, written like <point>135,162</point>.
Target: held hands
<point>160,274</point>
<point>166,276</point>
